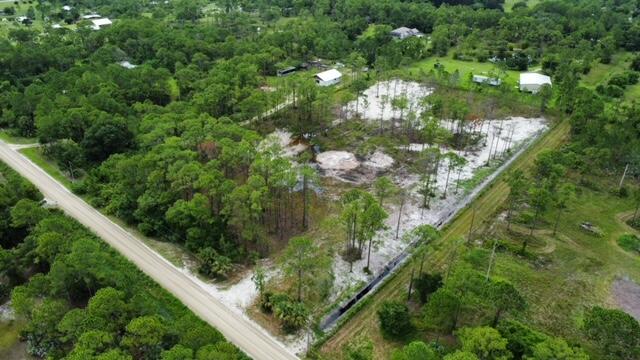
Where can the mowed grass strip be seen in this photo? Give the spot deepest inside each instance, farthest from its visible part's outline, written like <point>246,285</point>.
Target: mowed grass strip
<point>365,321</point>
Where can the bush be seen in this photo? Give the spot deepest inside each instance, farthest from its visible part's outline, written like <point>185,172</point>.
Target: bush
<point>213,264</point>
<point>292,314</point>
<point>613,91</point>
<point>395,320</point>
<point>629,242</point>
<point>427,284</point>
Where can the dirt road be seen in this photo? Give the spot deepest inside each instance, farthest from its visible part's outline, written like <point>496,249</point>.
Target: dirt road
<point>240,331</point>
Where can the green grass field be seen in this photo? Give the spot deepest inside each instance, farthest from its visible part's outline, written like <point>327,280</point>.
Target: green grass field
<point>468,68</point>
<point>10,139</point>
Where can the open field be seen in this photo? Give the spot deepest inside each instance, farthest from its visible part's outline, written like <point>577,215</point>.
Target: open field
<point>365,320</point>
<point>468,68</point>
<point>10,139</point>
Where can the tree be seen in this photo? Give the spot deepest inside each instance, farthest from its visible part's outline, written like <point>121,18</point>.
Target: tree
<point>416,350</point>
<point>565,193</point>
<point>485,342</point>
<point>616,332</point>
<point>504,297</point>
<point>144,336</point>
<point>557,349</point>
<point>518,186</point>
<point>68,155</point>
<point>26,213</point>
<point>383,187</point>
<point>461,355</point>
<point>427,284</point>
<point>395,320</point>
<point>213,264</point>
<point>107,137</point>
<point>539,200</point>
<point>310,178</point>
<point>305,262</point>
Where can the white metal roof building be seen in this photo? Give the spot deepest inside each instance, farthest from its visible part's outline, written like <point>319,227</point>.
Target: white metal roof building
<point>100,23</point>
<point>329,77</point>
<point>533,82</point>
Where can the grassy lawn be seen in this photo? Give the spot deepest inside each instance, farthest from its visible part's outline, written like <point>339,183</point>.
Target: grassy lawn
<point>35,155</point>
<point>365,321</point>
<point>578,268</point>
<point>468,68</point>
<point>10,139</point>
<point>600,73</point>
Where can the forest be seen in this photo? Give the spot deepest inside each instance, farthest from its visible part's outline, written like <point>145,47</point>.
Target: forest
<point>290,197</point>
<point>81,300</point>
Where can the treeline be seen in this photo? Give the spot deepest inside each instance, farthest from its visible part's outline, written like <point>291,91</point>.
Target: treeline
<point>80,298</point>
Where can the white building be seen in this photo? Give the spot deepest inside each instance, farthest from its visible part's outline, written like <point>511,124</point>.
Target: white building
<point>329,77</point>
<point>67,8</point>
<point>91,16</point>
<point>100,23</point>
<point>404,32</point>
<point>480,79</point>
<point>533,82</point>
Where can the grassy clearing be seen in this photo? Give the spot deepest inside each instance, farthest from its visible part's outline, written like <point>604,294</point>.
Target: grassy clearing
<point>7,137</point>
<point>467,68</point>
<point>35,155</point>
<point>440,254</point>
<point>600,73</point>
<point>575,268</point>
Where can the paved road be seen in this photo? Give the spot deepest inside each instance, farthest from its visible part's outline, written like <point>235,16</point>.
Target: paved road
<point>240,331</point>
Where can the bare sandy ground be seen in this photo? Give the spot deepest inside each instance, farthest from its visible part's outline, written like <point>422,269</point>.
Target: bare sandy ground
<point>627,294</point>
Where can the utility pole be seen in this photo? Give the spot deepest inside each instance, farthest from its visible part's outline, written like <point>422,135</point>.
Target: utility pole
<point>413,269</point>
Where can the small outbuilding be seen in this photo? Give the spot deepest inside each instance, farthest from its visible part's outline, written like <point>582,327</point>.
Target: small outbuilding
<point>533,82</point>
<point>100,23</point>
<point>91,16</point>
<point>329,77</point>
<point>67,8</point>
<point>404,32</point>
<point>481,79</point>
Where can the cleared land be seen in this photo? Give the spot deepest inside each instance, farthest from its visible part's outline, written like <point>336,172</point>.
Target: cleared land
<point>365,321</point>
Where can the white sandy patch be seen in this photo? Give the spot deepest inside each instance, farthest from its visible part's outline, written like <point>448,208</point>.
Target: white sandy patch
<point>375,102</point>
<point>6,312</point>
<point>337,161</point>
<point>282,139</point>
<point>379,161</point>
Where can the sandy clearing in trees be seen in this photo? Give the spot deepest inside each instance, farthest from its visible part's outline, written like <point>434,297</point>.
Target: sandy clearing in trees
<point>375,102</point>
<point>413,214</point>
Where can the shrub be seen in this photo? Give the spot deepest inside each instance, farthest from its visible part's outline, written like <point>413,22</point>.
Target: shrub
<point>212,263</point>
<point>395,320</point>
<point>629,242</point>
<point>427,284</point>
<point>292,314</point>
